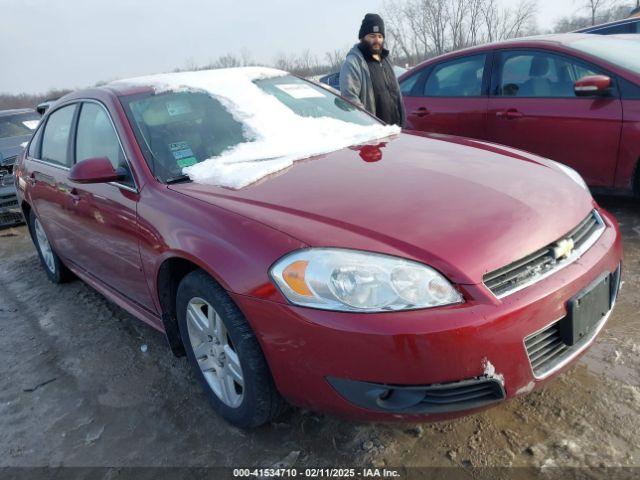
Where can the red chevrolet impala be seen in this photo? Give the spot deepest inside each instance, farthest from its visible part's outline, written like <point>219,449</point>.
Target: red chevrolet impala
<point>297,249</point>
<point>574,98</point>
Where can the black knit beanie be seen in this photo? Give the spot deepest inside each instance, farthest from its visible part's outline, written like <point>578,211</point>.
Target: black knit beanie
<point>372,23</point>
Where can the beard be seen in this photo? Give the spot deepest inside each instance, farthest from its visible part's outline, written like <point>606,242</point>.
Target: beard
<point>372,49</point>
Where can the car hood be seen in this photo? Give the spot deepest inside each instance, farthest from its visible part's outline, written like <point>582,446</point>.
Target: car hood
<point>464,207</point>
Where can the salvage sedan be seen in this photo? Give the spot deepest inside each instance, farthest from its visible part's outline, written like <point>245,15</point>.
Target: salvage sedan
<point>298,250</point>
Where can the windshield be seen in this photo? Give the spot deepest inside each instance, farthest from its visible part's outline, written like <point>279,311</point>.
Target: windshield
<point>179,129</point>
<point>309,100</point>
<point>624,52</point>
<point>231,129</point>
<point>18,125</point>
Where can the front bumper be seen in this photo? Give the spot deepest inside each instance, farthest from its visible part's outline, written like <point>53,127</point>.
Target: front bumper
<point>482,339</point>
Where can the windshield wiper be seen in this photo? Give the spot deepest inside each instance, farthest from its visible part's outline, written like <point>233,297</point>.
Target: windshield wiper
<point>177,179</point>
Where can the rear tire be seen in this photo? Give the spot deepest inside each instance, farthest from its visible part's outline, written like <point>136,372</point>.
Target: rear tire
<point>53,266</point>
<point>225,354</point>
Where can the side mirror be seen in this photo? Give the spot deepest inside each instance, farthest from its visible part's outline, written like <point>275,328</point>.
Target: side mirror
<point>95,170</point>
<point>591,85</point>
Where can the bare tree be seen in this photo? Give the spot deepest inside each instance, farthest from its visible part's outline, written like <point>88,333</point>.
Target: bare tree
<point>228,60</point>
<point>245,57</point>
<point>604,13</point>
<point>595,6</point>
<point>418,29</point>
<point>24,100</point>
<point>284,62</point>
<point>335,58</point>
<point>396,30</point>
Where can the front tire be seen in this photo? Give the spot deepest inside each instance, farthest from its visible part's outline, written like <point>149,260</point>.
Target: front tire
<point>53,266</point>
<point>224,353</point>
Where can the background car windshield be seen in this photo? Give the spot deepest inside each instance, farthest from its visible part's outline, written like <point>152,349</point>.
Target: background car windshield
<point>621,51</point>
<point>309,100</point>
<point>18,125</point>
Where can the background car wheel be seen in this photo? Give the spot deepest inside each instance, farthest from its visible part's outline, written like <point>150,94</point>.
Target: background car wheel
<point>53,266</point>
<point>225,354</point>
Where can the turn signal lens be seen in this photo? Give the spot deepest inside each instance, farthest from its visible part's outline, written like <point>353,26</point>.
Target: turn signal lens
<point>294,276</point>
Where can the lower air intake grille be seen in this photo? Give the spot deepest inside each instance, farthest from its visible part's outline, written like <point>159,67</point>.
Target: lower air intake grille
<point>461,395</point>
<point>544,347</point>
<point>435,398</point>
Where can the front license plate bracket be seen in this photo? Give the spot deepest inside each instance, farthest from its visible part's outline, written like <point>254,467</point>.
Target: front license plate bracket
<point>585,310</point>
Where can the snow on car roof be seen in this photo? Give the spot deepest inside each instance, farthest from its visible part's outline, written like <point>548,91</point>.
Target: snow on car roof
<point>277,136</point>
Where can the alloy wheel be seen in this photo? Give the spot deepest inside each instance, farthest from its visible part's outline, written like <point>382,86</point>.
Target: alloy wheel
<point>214,352</point>
<point>45,247</point>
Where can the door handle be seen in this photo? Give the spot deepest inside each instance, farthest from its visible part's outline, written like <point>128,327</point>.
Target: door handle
<point>421,112</point>
<point>31,179</point>
<point>509,114</point>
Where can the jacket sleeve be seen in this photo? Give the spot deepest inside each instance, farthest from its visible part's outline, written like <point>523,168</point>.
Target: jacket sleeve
<point>351,82</point>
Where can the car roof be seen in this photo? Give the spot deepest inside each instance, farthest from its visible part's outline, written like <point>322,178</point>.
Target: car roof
<point>164,81</point>
<point>563,39</point>
<point>151,82</point>
<point>16,111</point>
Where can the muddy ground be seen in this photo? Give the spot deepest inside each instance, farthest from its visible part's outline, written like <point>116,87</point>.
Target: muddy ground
<point>77,389</point>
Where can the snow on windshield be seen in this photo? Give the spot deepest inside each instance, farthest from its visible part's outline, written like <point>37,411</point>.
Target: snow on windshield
<point>276,135</point>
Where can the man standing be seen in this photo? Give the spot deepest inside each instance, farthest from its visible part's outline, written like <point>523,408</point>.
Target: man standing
<point>367,77</point>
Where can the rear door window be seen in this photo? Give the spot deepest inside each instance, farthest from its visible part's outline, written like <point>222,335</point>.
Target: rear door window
<point>461,77</point>
<point>55,139</point>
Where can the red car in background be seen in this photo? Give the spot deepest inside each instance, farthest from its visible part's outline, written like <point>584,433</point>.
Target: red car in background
<point>574,98</point>
<point>414,277</point>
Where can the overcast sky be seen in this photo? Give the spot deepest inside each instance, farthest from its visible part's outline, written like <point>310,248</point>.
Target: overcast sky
<point>75,43</point>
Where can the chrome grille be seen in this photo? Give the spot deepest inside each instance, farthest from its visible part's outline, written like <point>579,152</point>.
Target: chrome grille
<point>544,262</point>
<point>8,219</point>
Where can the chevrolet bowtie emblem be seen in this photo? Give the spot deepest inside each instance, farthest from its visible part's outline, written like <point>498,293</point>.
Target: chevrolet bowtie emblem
<point>563,248</point>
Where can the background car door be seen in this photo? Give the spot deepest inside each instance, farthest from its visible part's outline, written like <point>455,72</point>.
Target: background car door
<point>48,166</point>
<point>449,97</point>
<point>103,215</point>
<point>533,107</point>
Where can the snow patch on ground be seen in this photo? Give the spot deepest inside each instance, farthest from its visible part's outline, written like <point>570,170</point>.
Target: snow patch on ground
<point>490,370</point>
<point>277,136</point>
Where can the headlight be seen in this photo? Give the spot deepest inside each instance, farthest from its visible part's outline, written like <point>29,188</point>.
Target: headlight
<point>575,176</point>
<point>353,281</point>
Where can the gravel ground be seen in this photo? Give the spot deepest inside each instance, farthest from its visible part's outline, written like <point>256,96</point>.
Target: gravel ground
<point>83,383</point>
